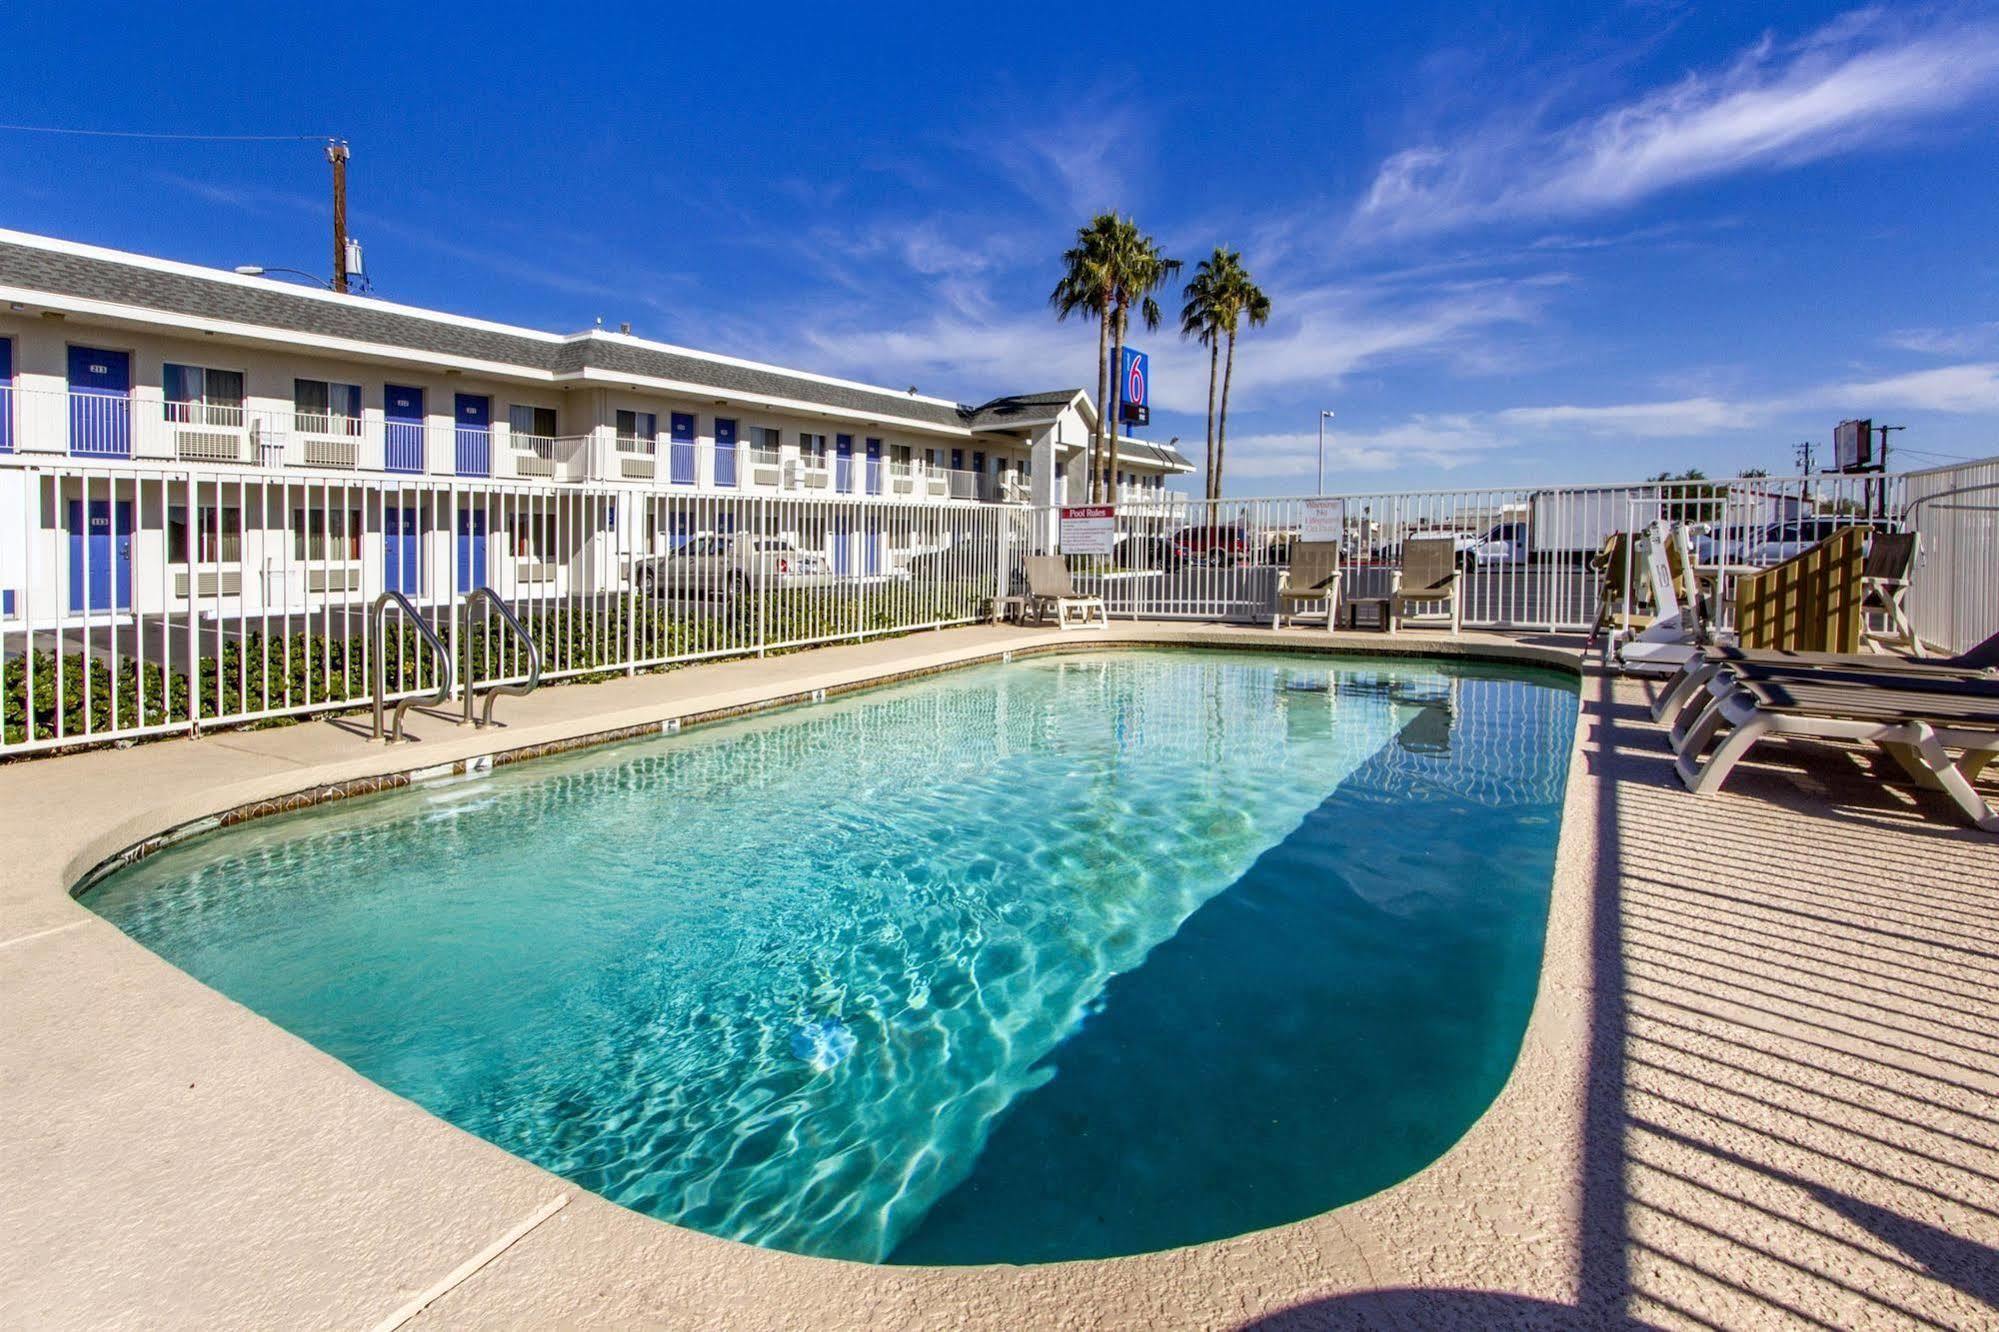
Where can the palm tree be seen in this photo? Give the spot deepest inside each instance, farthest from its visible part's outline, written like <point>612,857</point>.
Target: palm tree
<point>1237,298</point>
<point>1200,320</point>
<point>1138,269</point>
<point>1087,285</point>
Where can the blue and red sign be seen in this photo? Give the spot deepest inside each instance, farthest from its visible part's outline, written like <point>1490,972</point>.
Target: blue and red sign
<point>1134,388</point>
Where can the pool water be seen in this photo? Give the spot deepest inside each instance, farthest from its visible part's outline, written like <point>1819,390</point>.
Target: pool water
<point>1071,957</point>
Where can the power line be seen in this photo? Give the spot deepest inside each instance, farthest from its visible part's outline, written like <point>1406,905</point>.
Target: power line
<point>185,138</point>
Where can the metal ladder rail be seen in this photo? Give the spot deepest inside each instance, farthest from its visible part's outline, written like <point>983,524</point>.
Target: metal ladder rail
<point>377,623</point>
<point>514,690</point>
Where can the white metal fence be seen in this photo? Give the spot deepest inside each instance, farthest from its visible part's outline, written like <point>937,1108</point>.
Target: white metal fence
<point>1954,511</point>
<point>137,601</point>
<point>1524,553</point>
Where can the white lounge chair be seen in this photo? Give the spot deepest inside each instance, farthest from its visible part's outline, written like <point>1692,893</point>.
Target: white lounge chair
<point>1049,587</point>
<point>1917,726</point>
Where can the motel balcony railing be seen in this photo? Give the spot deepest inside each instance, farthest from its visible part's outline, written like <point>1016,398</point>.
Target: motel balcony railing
<point>143,428</point>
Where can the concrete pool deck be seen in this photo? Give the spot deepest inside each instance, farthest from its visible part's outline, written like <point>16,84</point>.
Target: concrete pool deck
<point>1760,1085</point>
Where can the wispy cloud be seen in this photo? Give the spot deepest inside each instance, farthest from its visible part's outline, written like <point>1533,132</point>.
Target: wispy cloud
<point>1947,341</point>
<point>1445,442</point>
<point>1088,158</point>
<point>1951,388</point>
<point>1678,418</point>
<point>1853,83</point>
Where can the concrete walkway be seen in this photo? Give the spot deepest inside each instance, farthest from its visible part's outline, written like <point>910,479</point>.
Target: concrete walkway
<point>1758,1087</point>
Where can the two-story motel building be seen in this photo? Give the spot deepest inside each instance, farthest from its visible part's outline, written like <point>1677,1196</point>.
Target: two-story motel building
<point>114,363</point>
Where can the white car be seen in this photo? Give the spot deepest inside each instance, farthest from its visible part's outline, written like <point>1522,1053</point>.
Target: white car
<point>1781,541</point>
<point>733,564</point>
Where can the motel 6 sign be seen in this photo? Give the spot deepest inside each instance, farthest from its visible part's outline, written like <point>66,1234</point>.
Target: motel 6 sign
<point>1134,385</point>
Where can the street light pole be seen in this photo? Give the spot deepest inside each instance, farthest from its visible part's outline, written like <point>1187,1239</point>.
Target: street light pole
<point>1323,418</point>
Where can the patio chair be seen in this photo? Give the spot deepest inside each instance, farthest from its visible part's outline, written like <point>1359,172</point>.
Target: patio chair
<point>1312,579</point>
<point>1916,726</point>
<point>1620,598</point>
<point>1429,574</point>
<point>1049,587</point>
<point>1982,660</point>
<point>1884,579</point>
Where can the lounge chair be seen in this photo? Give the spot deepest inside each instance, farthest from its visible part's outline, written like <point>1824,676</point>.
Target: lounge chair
<point>1891,558</point>
<point>1915,726</point>
<point>1049,587</point>
<point>1982,660</point>
<point>1311,580</point>
<point>1429,574</point>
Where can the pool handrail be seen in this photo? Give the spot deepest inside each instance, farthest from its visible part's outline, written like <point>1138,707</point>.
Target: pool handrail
<point>377,621</point>
<point>516,690</point>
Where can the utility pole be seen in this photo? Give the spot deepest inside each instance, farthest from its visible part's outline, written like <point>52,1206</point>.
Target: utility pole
<point>1882,465</point>
<point>336,153</point>
<point>1804,456</point>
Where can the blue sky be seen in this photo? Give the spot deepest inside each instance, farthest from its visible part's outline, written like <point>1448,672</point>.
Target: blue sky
<point>1507,245</point>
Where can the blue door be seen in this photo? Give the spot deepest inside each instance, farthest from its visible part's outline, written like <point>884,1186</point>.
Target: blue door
<point>471,549</point>
<point>402,433</point>
<point>680,448</point>
<point>871,553</point>
<point>843,463</point>
<point>401,568</point>
<point>475,435</point>
<point>874,467</point>
<point>100,403</point>
<point>6,395</point>
<point>725,452</point>
<point>843,547</point>
<point>100,558</point>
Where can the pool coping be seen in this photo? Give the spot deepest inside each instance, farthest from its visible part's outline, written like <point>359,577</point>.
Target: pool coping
<point>1344,1249</point>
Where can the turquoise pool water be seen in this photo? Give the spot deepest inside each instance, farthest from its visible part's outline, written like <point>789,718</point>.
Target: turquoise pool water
<point>1070,957</point>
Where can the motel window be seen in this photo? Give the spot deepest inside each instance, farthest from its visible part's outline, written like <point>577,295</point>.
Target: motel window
<point>322,407</point>
<point>534,536</point>
<point>765,440</point>
<point>537,421</point>
<point>813,447</point>
<point>638,430</point>
<point>936,457</point>
<point>899,454</point>
<point>197,395</point>
<point>320,534</point>
<point>229,547</point>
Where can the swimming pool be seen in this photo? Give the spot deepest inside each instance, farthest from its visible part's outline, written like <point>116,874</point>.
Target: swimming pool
<point>1070,957</point>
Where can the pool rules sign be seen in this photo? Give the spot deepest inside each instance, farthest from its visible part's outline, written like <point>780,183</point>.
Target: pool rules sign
<point>1088,529</point>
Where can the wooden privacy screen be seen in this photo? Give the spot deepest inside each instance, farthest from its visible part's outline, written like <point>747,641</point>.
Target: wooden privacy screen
<point>1810,602</point>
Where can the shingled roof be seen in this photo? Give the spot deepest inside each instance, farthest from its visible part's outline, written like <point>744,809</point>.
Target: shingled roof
<point>32,264</point>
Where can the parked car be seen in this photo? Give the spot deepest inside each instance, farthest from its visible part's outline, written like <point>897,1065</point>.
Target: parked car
<point>1784,540</point>
<point>1221,544</point>
<point>1504,543</point>
<point>733,564</point>
<point>1773,543</point>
